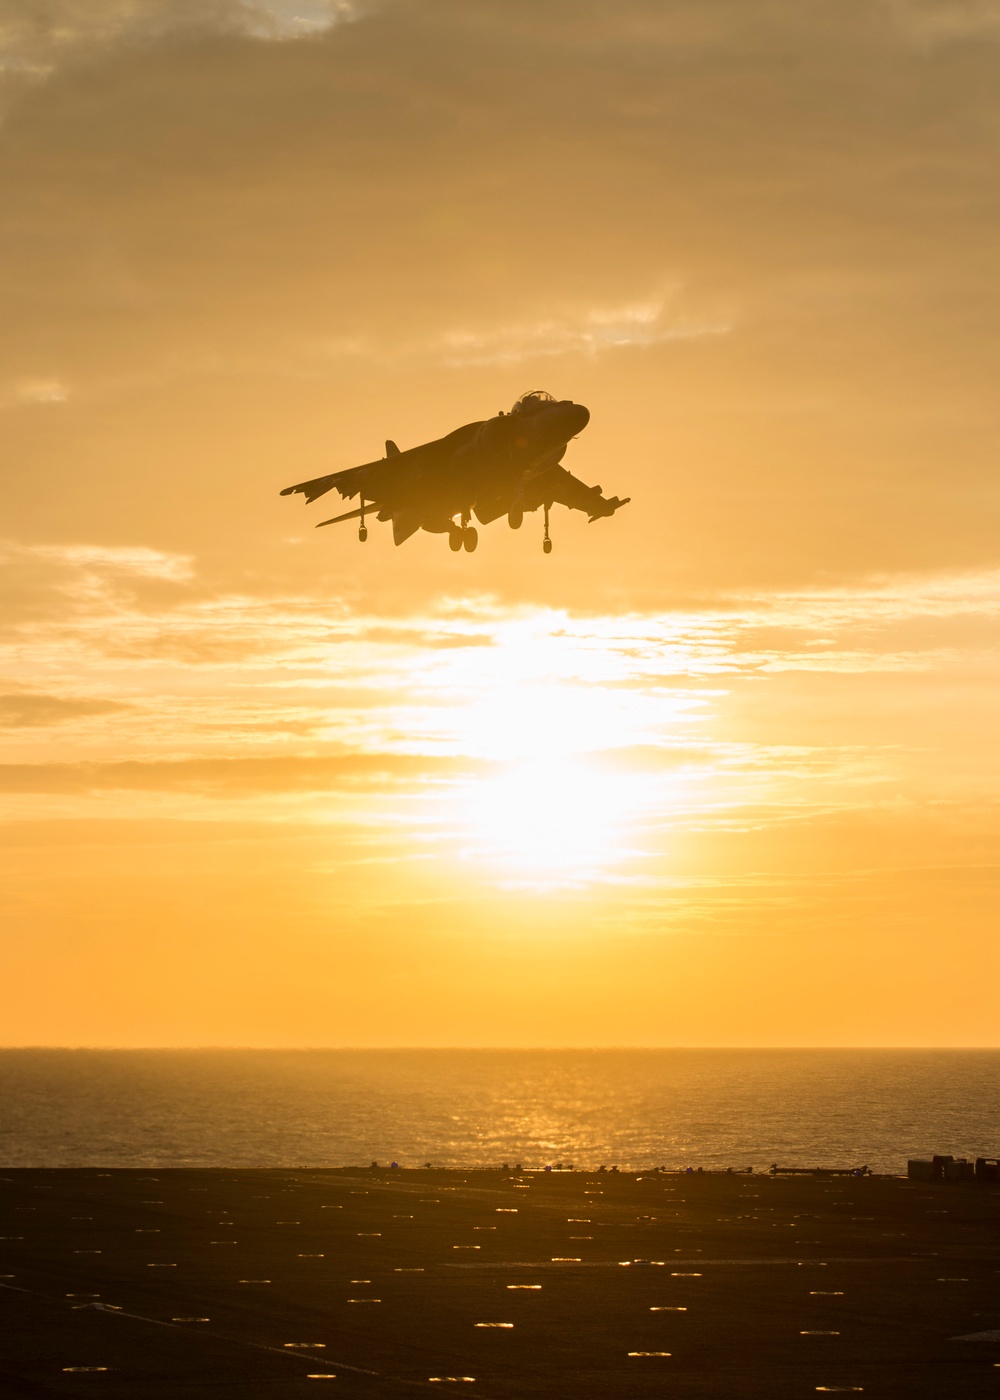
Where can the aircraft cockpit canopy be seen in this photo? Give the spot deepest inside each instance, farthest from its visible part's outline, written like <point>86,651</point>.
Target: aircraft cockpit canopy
<point>532,401</point>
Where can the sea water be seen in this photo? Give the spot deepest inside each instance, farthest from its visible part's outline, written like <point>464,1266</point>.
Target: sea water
<point>479,1108</point>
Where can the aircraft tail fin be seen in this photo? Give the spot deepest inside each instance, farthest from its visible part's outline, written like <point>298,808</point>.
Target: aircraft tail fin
<point>391,450</point>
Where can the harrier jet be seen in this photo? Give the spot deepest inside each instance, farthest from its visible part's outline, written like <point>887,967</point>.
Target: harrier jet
<point>504,466</point>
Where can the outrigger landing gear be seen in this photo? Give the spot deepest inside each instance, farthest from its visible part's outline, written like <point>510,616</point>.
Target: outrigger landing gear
<point>546,542</point>
<point>362,527</point>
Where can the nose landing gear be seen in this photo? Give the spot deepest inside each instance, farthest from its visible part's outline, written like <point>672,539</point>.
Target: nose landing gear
<point>362,527</point>
<point>546,542</point>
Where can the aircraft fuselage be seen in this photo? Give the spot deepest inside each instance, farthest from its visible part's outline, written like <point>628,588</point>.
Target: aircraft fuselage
<point>499,466</point>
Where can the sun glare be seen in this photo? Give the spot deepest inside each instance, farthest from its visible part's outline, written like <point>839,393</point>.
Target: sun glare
<point>550,715</point>
<point>544,721</point>
<point>548,822</point>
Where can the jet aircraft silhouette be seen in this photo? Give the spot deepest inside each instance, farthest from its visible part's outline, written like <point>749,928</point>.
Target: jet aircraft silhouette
<point>506,465</point>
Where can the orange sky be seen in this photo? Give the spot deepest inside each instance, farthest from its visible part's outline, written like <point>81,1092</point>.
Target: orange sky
<point>720,771</point>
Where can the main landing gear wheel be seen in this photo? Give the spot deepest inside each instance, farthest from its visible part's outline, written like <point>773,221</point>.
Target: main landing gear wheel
<point>363,533</point>
<point>546,542</point>
<point>515,518</point>
<point>470,538</point>
<point>455,539</point>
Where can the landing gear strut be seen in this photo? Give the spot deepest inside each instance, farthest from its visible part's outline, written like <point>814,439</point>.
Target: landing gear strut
<point>362,527</point>
<point>546,542</point>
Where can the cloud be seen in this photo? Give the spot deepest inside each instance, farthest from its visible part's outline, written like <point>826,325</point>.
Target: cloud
<point>36,38</point>
<point>417,635</point>
<point>39,40</point>
<point>108,607</point>
<point>224,775</point>
<point>25,711</point>
<point>487,737</point>
<point>635,325</point>
<point>34,391</point>
<point>929,23</point>
<point>56,583</point>
<point>88,561</point>
<point>758,699</point>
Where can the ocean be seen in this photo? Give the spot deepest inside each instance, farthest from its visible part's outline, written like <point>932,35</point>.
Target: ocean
<point>478,1108</point>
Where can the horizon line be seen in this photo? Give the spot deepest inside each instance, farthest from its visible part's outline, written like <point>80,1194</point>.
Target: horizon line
<point>488,1049</point>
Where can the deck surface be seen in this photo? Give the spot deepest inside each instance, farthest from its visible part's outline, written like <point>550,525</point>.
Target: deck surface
<point>265,1284</point>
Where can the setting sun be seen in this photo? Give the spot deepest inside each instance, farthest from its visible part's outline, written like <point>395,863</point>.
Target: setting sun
<point>549,822</point>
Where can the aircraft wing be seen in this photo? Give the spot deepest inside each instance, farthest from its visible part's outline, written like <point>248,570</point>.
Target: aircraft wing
<point>348,482</point>
<point>391,476</point>
<point>557,485</point>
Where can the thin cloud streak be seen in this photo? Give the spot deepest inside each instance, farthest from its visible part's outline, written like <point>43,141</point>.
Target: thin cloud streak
<point>591,333</point>
<point>37,41</point>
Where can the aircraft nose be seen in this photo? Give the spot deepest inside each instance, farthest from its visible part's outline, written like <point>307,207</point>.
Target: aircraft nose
<point>578,417</point>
